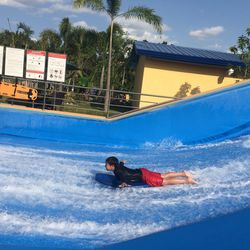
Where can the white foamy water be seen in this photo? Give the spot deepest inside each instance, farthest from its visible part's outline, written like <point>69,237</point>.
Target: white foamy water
<point>50,191</point>
<point>71,228</point>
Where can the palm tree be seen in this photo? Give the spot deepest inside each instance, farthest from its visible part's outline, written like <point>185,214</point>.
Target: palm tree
<point>7,38</point>
<point>112,9</point>
<point>65,28</point>
<point>242,49</point>
<point>24,32</point>
<point>50,40</point>
<point>82,49</point>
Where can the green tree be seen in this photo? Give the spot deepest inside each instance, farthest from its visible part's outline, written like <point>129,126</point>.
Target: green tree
<point>82,52</point>
<point>21,38</point>
<point>122,47</point>
<point>50,40</point>
<point>242,49</point>
<point>112,9</point>
<point>65,28</point>
<point>23,34</point>
<point>102,51</point>
<point>7,38</point>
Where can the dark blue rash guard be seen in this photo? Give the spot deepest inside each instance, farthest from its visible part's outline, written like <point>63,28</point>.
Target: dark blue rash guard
<point>127,175</point>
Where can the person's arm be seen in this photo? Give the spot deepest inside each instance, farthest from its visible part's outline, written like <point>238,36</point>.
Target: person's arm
<point>123,185</point>
<point>121,177</point>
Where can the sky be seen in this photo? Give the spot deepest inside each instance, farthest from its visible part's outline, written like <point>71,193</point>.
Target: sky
<point>211,24</point>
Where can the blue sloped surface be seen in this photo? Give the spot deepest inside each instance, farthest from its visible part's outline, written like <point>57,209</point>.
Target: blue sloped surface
<point>185,54</point>
<point>230,232</point>
<point>50,200</point>
<point>213,117</point>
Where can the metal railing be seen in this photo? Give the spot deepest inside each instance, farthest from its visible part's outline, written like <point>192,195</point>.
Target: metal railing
<point>83,100</point>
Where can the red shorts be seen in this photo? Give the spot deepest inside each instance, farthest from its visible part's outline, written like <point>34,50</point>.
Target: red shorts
<point>153,179</point>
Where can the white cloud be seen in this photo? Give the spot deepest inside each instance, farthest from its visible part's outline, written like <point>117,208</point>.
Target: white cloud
<point>35,39</point>
<point>12,3</point>
<point>206,32</point>
<point>135,29</point>
<point>46,6</point>
<point>139,30</point>
<point>215,46</point>
<point>64,7</point>
<point>26,3</point>
<point>84,24</point>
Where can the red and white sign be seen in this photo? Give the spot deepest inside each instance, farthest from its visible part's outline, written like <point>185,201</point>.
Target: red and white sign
<point>1,60</point>
<point>35,64</point>
<point>14,62</point>
<point>56,67</point>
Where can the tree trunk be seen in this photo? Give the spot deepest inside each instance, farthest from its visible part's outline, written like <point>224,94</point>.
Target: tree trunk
<point>245,73</point>
<point>107,98</point>
<point>102,79</point>
<point>123,76</point>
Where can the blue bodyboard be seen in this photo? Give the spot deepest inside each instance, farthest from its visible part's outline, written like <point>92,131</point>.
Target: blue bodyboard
<point>110,180</point>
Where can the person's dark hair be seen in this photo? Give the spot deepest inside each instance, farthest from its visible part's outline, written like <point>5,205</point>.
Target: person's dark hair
<point>113,161</point>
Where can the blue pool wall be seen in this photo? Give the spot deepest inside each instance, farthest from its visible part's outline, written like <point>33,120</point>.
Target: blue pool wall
<point>212,117</point>
<point>228,232</point>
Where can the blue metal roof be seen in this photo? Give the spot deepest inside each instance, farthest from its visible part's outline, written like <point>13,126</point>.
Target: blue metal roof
<point>184,54</point>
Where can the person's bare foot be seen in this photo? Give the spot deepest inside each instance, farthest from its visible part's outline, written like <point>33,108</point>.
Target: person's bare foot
<point>188,174</point>
<point>192,181</point>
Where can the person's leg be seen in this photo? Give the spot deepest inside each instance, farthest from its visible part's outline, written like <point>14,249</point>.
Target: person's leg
<point>176,181</point>
<point>176,174</point>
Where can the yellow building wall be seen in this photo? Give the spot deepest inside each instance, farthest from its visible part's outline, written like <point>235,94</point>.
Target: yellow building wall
<point>164,78</point>
<point>138,80</point>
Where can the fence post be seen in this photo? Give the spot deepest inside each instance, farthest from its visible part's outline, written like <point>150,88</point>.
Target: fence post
<point>54,103</point>
<point>109,102</point>
<point>45,93</point>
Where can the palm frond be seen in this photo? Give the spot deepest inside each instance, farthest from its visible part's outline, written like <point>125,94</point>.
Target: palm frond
<point>96,5</point>
<point>26,29</point>
<point>65,26</point>
<point>248,31</point>
<point>113,7</point>
<point>145,14</point>
<point>233,49</point>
